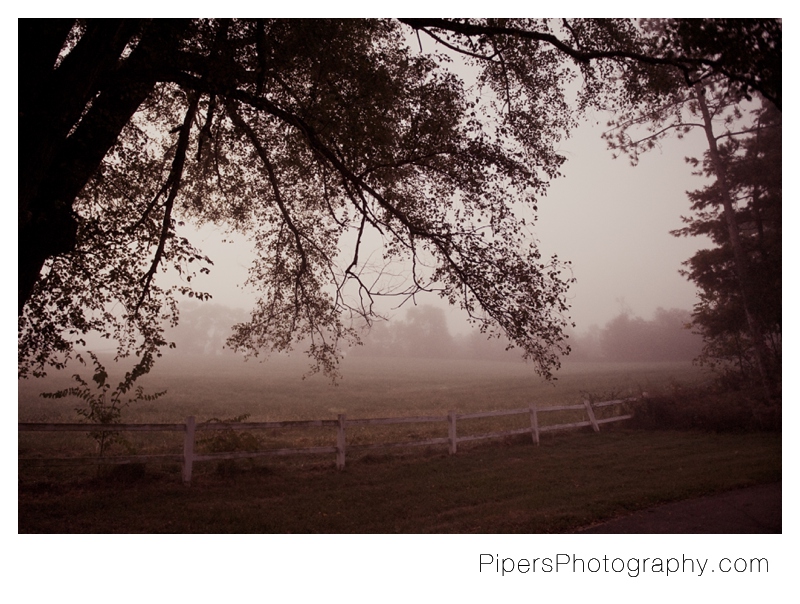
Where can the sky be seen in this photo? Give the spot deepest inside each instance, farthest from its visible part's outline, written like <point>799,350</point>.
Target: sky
<point>609,219</point>
<point>613,222</point>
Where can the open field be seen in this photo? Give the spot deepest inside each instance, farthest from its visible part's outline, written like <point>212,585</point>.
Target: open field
<point>571,480</point>
<point>380,387</point>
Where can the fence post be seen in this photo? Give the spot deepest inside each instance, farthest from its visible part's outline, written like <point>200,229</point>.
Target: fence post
<point>340,443</point>
<point>534,424</point>
<point>590,413</point>
<point>451,420</point>
<point>188,450</point>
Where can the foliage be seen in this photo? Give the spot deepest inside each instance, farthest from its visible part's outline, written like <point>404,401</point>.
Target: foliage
<point>104,406</point>
<point>337,146</point>
<point>204,328</point>
<point>667,337</point>
<point>225,439</point>
<point>739,311</point>
<point>642,128</point>
<point>423,333</point>
<point>753,169</point>
<point>750,50</point>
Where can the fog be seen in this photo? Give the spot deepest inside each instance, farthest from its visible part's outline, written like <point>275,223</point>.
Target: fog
<point>422,332</point>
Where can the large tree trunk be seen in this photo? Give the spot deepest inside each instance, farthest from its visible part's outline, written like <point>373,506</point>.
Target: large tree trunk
<point>70,116</point>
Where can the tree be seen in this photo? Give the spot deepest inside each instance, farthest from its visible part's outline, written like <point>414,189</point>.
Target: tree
<point>747,53</point>
<point>424,333</point>
<point>336,145</point>
<point>204,328</point>
<point>665,338</point>
<point>752,168</point>
<point>713,105</point>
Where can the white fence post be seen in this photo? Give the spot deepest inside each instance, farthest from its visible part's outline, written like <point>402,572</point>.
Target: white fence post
<point>451,420</point>
<point>188,450</point>
<point>340,444</point>
<point>534,424</point>
<point>590,413</point>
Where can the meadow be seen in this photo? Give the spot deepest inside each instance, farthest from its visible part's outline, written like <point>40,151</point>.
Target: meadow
<point>280,389</point>
<point>571,480</point>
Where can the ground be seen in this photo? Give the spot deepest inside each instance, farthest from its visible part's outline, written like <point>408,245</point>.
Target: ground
<point>750,510</point>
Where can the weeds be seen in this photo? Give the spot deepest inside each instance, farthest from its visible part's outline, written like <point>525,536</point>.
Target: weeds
<point>227,440</point>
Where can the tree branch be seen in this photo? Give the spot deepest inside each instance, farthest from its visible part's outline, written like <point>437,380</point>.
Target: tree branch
<point>174,181</point>
<point>686,65</point>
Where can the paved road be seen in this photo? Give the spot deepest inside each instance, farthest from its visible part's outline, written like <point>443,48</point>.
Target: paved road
<point>751,510</point>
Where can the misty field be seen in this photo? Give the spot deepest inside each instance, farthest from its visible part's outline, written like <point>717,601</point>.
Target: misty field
<point>506,485</point>
<point>369,387</point>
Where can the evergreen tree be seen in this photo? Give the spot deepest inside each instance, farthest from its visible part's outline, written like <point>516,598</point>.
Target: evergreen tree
<point>752,166</point>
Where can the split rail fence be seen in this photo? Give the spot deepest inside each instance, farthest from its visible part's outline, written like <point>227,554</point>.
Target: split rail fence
<point>190,428</point>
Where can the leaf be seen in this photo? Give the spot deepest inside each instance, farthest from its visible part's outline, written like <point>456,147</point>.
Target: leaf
<point>100,377</point>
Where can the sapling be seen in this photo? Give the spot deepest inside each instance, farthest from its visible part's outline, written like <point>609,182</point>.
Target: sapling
<point>103,405</point>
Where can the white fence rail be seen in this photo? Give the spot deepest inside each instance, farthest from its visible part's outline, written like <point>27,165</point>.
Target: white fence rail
<point>190,428</point>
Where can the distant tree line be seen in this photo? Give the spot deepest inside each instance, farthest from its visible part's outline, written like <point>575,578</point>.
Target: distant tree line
<point>667,337</point>
<point>204,328</point>
<point>424,333</point>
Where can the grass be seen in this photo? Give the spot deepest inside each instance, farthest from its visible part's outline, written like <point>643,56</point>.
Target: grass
<point>571,480</point>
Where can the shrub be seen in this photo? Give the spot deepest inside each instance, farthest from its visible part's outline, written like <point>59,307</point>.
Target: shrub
<point>704,409</point>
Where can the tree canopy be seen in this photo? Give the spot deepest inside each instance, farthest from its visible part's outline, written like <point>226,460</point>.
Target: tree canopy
<point>341,146</point>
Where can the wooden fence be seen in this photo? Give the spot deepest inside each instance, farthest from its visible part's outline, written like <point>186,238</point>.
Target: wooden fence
<point>190,428</point>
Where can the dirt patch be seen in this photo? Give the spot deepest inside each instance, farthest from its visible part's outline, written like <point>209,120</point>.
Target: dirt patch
<point>750,510</point>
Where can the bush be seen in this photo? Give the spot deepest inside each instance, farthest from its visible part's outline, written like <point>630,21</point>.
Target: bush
<point>103,406</point>
<point>700,409</point>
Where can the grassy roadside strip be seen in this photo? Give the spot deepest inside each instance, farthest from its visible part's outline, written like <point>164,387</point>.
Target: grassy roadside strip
<point>570,481</point>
